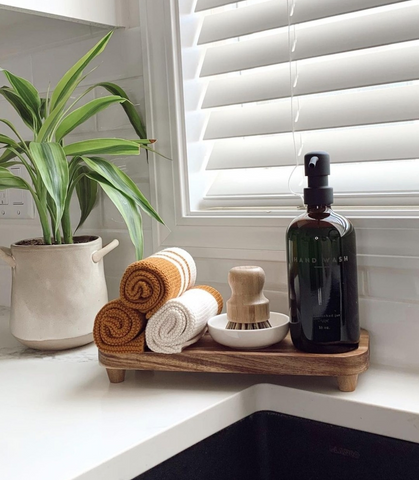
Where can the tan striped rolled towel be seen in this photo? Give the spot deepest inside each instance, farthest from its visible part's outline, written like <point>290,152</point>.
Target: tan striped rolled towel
<point>119,329</point>
<point>148,284</point>
<point>182,321</point>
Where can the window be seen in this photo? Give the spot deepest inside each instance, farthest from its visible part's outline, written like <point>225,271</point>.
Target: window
<point>266,81</point>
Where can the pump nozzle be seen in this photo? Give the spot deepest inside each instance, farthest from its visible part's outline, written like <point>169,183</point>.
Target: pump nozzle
<point>313,162</point>
<point>317,169</point>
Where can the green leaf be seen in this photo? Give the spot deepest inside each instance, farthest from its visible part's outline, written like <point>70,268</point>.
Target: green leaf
<point>8,180</point>
<point>20,106</point>
<point>50,122</point>
<point>81,114</point>
<point>129,108</point>
<point>12,128</point>
<point>119,180</point>
<point>9,155</point>
<point>8,141</point>
<point>52,165</point>
<point>103,146</point>
<point>10,164</point>
<point>43,109</point>
<point>71,79</point>
<point>128,210</point>
<point>87,194</point>
<point>27,93</point>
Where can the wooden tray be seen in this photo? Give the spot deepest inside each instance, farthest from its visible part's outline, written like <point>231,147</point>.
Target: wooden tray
<point>280,359</point>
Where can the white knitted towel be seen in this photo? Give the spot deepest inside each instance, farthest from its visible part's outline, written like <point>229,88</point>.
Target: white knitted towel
<point>181,321</point>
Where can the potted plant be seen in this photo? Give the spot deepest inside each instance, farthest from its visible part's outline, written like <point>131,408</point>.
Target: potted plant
<point>58,282</point>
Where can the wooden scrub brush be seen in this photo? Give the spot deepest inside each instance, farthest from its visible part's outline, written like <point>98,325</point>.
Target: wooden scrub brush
<point>248,308</point>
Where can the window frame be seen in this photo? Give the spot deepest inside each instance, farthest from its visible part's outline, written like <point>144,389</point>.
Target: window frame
<point>164,113</point>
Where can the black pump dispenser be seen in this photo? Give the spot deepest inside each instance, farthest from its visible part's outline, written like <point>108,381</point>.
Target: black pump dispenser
<point>317,170</point>
<point>322,269</point>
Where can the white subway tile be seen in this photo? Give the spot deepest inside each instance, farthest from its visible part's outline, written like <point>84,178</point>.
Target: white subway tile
<point>113,287</point>
<point>19,65</point>
<point>387,241</point>
<point>361,282</point>
<point>216,270</point>
<point>121,59</point>
<point>394,331</point>
<point>393,284</point>
<point>39,33</point>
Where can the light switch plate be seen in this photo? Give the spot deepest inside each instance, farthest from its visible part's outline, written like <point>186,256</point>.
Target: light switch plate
<point>16,203</point>
<point>4,197</point>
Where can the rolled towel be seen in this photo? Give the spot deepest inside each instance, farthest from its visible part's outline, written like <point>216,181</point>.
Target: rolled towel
<point>119,329</point>
<point>148,284</point>
<point>182,321</point>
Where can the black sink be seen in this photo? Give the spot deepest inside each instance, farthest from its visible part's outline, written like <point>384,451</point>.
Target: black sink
<point>273,446</point>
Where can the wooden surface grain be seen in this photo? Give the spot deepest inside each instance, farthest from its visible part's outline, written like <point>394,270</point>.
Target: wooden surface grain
<point>280,359</point>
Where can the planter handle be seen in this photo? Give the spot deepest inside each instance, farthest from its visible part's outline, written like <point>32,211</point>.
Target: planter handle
<point>6,255</point>
<point>99,254</point>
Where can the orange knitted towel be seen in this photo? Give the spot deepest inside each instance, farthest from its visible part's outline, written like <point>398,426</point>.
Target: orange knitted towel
<point>148,284</point>
<point>119,329</point>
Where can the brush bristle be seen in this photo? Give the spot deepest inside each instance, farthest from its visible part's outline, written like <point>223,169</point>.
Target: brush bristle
<point>248,326</point>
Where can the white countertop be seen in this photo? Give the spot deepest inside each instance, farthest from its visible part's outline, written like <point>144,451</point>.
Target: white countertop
<point>61,419</point>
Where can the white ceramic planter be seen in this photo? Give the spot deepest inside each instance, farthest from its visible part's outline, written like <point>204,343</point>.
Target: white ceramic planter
<point>57,291</point>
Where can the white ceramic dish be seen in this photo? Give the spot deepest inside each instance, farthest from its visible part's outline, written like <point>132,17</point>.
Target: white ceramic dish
<point>249,339</point>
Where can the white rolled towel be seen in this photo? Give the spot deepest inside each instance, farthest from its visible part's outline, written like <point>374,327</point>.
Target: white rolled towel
<point>182,321</point>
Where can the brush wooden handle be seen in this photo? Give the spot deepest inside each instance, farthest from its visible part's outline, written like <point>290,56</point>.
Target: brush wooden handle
<point>247,304</point>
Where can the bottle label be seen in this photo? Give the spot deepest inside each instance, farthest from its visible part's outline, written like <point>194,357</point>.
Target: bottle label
<point>325,261</point>
<point>326,328</point>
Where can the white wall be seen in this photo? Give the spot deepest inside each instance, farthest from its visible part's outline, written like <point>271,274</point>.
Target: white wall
<point>42,50</point>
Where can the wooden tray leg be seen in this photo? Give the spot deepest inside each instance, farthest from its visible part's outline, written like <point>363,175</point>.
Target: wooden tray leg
<point>347,383</point>
<point>115,376</point>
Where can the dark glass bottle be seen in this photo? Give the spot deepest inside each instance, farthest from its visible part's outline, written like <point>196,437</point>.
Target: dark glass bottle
<point>322,271</point>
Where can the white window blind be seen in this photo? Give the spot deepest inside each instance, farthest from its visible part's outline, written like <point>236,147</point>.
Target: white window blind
<point>266,81</point>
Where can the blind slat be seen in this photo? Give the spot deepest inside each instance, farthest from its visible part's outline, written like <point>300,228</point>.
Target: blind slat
<point>258,52</point>
<point>254,87</point>
<point>268,151</point>
<point>207,4</point>
<point>307,10</point>
<point>376,177</point>
<point>244,21</point>
<point>363,68</point>
<point>253,120</point>
<point>330,110</point>
<point>328,37</point>
<point>273,14</point>
<point>354,144</point>
<point>367,106</point>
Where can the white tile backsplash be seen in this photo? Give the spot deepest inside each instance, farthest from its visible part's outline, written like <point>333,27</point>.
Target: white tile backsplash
<point>120,60</point>
<point>394,331</point>
<point>20,65</point>
<point>392,284</point>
